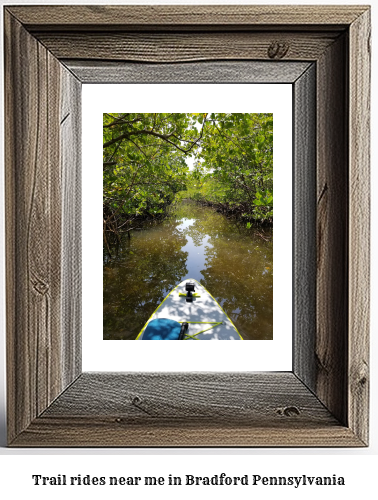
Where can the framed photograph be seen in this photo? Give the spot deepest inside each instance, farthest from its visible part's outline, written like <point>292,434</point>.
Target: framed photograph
<point>192,240</point>
<point>323,52</point>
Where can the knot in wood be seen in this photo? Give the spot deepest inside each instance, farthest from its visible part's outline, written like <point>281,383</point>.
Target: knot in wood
<point>288,411</point>
<point>363,380</point>
<point>361,375</point>
<point>41,287</point>
<point>136,400</point>
<point>138,403</point>
<point>277,50</point>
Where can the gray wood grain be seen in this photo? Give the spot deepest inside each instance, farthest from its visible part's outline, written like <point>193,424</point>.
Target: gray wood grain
<point>32,238</point>
<point>200,72</point>
<point>230,396</point>
<point>331,351</point>
<point>196,409</point>
<point>70,161</point>
<point>100,432</point>
<point>184,16</point>
<point>181,47</point>
<point>38,366</point>
<point>322,403</point>
<point>359,227</point>
<point>304,227</point>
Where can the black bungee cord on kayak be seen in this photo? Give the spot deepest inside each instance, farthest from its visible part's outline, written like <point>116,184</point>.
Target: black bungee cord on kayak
<point>161,328</point>
<point>184,329</point>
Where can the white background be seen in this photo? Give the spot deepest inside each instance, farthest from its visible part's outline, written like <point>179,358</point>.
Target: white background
<point>357,465</point>
<point>262,355</point>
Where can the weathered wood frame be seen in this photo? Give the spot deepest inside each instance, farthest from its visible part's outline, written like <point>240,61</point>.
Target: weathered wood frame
<point>49,52</point>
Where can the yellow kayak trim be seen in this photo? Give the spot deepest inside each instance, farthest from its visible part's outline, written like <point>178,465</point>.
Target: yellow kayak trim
<point>241,338</point>
<point>142,330</point>
<point>212,323</point>
<point>205,322</point>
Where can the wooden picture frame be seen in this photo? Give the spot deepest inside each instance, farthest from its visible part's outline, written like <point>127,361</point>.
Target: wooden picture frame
<point>324,52</point>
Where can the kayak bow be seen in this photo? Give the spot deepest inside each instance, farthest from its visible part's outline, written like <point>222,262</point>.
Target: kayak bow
<point>189,303</point>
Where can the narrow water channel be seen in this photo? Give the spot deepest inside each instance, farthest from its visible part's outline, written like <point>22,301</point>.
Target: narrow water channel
<point>235,264</point>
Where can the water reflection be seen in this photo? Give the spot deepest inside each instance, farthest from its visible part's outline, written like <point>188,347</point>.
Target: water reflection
<point>233,263</point>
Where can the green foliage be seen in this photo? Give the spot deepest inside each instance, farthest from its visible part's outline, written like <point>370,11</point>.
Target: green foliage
<point>238,148</point>
<point>205,189</point>
<point>144,164</point>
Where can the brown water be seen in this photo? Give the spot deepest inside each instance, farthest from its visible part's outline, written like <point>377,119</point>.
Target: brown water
<point>235,264</point>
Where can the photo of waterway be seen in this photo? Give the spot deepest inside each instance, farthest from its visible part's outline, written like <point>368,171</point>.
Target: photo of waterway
<point>234,263</point>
